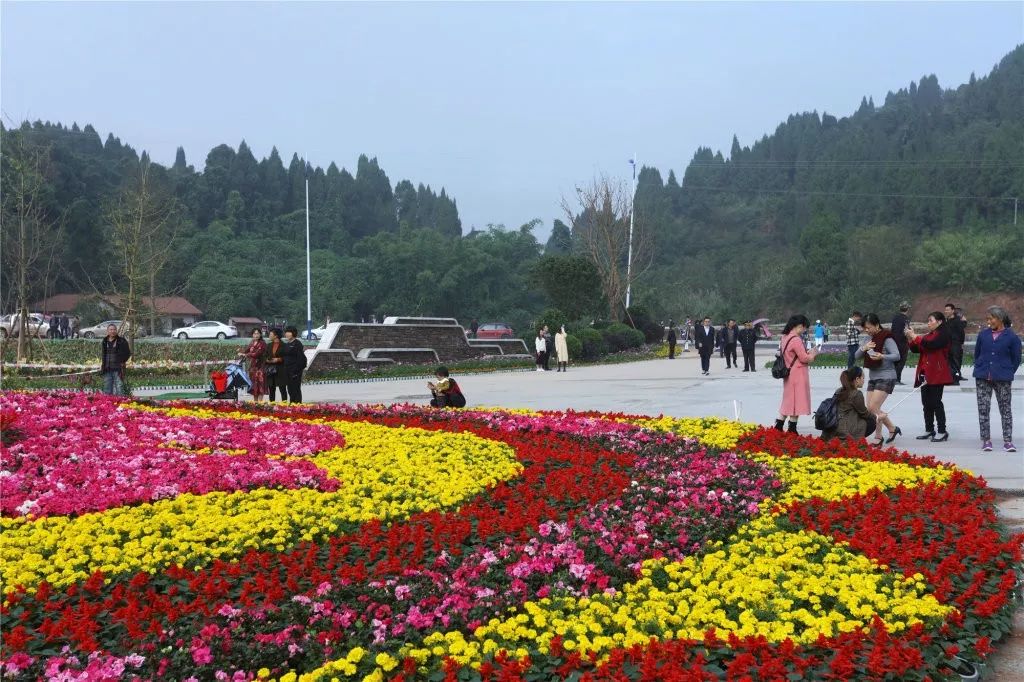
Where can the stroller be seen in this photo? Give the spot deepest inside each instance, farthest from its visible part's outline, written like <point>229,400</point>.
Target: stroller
<point>224,384</point>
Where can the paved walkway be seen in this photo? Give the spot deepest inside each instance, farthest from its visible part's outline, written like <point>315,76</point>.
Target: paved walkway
<point>675,387</point>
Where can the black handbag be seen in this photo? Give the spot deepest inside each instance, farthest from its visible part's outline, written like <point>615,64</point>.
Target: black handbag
<point>780,370</point>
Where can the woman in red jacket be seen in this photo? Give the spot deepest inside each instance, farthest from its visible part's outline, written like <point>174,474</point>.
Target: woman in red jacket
<point>932,373</point>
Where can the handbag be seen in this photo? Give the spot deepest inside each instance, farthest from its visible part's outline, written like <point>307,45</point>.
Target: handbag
<point>780,370</point>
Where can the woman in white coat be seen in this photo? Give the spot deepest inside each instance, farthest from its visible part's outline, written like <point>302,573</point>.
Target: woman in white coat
<point>562,349</point>
<point>541,346</point>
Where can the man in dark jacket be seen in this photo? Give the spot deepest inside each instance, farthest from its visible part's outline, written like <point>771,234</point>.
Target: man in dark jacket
<point>549,342</point>
<point>957,336</point>
<point>671,340</point>
<point>704,339</point>
<point>115,353</point>
<point>747,338</point>
<point>729,340</point>
<point>294,356</point>
<point>898,329</point>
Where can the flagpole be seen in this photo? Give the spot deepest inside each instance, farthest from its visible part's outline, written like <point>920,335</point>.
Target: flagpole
<point>309,280</point>
<point>629,255</point>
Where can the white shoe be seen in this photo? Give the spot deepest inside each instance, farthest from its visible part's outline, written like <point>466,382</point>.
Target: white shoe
<point>540,369</point>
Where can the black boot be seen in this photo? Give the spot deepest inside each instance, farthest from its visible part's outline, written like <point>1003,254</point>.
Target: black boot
<point>792,427</point>
<point>779,423</point>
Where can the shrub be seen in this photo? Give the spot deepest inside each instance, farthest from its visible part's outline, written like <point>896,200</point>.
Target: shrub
<point>639,317</point>
<point>619,337</point>
<point>592,345</point>
<point>552,317</point>
<point>575,346</point>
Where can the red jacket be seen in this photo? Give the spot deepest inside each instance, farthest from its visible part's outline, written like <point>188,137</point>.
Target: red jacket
<point>934,362</point>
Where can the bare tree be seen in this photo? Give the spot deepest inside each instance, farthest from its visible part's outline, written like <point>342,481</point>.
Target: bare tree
<point>600,222</point>
<point>143,222</point>
<point>30,231</point>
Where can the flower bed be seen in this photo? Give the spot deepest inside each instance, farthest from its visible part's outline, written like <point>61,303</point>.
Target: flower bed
<point>244,542</point>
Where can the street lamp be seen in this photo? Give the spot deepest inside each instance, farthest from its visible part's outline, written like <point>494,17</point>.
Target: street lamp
<point>629,253</point>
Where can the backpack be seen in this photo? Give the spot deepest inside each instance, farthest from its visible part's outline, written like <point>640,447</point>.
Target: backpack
<point>826,417</point>
<point>780,370</point>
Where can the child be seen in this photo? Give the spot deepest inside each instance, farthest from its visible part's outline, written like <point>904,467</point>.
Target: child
<point>446,391</point>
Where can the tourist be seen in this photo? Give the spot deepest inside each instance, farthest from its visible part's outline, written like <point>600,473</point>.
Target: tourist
<point>274,369</point>
<point>562,349</point>
<point>294,356</point>
<point>852,338</point>
<point>796,388</point>
<point>900,322</point>
<point>473,327</point>
<point>729,339</point>
<point>932,374</point>
<point>957,335</point>
<point>446,392</point>
<point>115,353</point>
<point>827,331</point>
<point>704,339</point>
<point>686,335</point>
<point>819,335</point>
<point>256,353</point>
<point>540,345</point>
<point>748,339</point>
<point>549,345</point>
<point>671,340</point>
<point>997,355</point>
<point>856,420</point>
<point>880,354</point>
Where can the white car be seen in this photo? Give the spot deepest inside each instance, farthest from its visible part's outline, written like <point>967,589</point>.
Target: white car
<point>315,335</point>
<point>206,330</point>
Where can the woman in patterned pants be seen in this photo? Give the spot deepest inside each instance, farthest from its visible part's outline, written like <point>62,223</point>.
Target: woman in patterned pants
<point>996,359</point>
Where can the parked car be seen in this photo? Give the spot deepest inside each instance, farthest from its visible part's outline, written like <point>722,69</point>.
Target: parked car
<point>495,330</point>
<point>100,330</point>
<point>316,334</point>
<point>208,329</point>
<point>10,325</point>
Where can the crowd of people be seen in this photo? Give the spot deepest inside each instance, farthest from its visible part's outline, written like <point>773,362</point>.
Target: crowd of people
<point>277,366</point>
<point>726,339</point>
<point>883,353</point>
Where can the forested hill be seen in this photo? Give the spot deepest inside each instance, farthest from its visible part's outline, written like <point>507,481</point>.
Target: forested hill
<point>817,212</point>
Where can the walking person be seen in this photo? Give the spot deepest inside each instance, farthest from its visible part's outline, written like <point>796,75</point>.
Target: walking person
<point>256,353</point>
<point>819,335</point>
<point>473,327</point>
<point>880,354</point>
<point>748,339</point>
<point>900,322</point>
<point>686,335</point>
<point>294,356</point>
<point>796,388</point>
<point>852,338</point>
<point>729,339</point>
<point>540,345</point>
<point>720,341</point>
<point>932,374</point>
<point>704,339</point>
<point>671,340</point>
<point>562,349</point>
<point>115,354</point>
<point>957,335</point>
<point>274,369</point>
<point>856,420</point>
<point>997,355</point>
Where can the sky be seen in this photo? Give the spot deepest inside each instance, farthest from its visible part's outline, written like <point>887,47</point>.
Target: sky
<point>508,106</point>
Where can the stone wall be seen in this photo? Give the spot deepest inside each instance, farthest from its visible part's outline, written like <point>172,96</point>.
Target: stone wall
<point>507,346</point>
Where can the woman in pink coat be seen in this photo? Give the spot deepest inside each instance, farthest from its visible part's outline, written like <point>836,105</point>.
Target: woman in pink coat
<point>796,388</point>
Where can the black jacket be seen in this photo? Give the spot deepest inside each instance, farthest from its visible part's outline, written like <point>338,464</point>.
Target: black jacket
<point>123,350</point>
<point>898,329</point>
<point>293,354</point>
<point>705,342</point>
<point>957,331</point>
<point>747,338</point>
<point>727,333</point>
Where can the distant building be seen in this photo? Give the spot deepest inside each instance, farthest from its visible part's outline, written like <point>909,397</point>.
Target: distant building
<point>171,311</point>
<point>245,325</point>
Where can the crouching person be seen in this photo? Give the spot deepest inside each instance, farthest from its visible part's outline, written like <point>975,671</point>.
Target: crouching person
<point>856,421</point>
<point>446,391</point>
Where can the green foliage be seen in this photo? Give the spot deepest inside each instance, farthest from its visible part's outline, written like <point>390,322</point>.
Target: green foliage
<point>574,345</point>
<point>552,317</point>
<point>639,317</point>
<point>592,344</point>
<point>962,260</point>
<point>570,283</point>
<point>619,337</point>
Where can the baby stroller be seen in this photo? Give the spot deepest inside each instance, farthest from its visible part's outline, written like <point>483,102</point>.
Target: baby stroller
<point>224,384</point>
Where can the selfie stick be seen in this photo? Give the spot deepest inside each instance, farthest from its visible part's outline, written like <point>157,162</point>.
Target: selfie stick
<point>923,382</point>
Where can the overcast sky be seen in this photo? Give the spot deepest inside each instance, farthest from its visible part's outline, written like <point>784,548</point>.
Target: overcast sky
<point>507,106</point>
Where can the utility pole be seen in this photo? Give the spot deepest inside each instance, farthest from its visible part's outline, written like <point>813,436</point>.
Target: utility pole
<point>309,280</point>
<point>1015,200</point>
<point>629,253</point>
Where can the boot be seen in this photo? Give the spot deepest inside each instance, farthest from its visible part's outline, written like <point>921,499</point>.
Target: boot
<point>792,427</point>
<point>779,424</point>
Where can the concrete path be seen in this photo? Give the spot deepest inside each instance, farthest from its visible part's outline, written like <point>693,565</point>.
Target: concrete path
<point>676,387</point>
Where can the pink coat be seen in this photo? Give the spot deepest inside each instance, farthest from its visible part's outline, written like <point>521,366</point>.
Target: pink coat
<point>796,389</point>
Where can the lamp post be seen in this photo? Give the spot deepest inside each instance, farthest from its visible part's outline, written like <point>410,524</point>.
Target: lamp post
<point>309,279</point>
<point>629,252</point>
